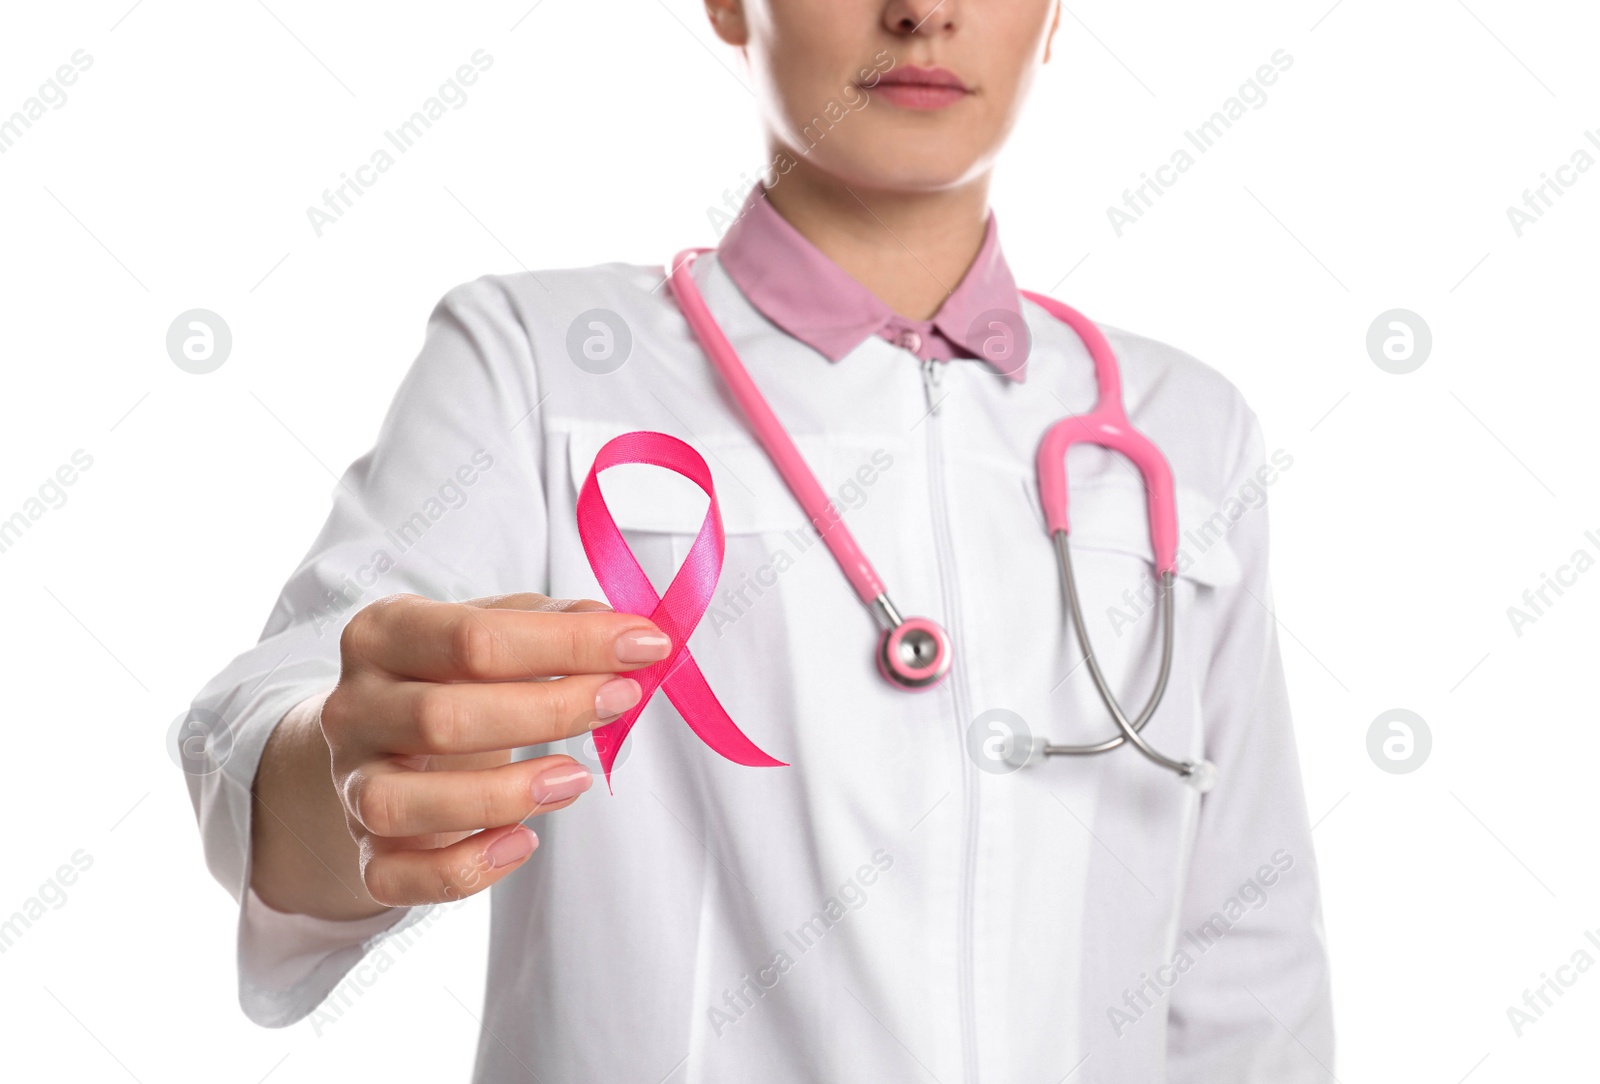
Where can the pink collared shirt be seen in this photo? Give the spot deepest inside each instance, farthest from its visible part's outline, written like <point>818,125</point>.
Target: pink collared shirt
<point>796,286</point>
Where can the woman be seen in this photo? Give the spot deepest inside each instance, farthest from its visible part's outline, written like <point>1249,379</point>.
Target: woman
<point>891,901</point>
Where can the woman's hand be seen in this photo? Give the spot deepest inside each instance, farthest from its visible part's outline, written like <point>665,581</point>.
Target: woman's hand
<point>432,699</point>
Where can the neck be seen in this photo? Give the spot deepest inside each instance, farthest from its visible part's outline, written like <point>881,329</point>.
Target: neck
<point>909,248</point>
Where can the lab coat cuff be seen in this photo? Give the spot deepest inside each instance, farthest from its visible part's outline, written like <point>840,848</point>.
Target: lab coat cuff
<point>291,964</point>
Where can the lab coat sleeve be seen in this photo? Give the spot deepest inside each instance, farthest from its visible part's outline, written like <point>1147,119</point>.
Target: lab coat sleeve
<point>1255,1005</point>
<point>448,504</point>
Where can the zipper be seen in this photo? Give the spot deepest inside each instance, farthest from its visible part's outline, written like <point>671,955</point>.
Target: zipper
<point>932,380</point>
<point>932,383</point>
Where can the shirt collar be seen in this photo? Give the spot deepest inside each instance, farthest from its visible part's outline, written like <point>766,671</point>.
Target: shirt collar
<point>812,298</point>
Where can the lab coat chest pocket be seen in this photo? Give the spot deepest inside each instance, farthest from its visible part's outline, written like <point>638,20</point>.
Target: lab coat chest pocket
<point>1111,517</point>
<point>1120,596</point>
<point>1117,583</point>
<point>1018,602</point>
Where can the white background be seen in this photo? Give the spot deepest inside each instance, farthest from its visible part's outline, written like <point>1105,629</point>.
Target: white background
<point>1418,508</point>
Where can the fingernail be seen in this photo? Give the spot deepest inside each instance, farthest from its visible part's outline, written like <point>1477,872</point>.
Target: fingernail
<point>514,846</point>
<point>583,606</point>
<point>616,696</point>
<point>558,784</point>
<point>641,646</point>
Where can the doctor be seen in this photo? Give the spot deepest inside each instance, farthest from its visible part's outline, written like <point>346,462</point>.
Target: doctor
<point>897,903</point>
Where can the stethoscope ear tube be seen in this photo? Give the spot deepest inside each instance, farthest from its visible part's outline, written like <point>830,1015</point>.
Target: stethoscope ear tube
<point>1202,774</point>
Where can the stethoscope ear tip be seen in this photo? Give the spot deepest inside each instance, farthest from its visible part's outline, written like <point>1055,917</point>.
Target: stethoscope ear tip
<point>1202,776</point>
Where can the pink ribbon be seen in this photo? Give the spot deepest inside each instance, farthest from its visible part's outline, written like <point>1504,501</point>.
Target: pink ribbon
<point>676,614</point>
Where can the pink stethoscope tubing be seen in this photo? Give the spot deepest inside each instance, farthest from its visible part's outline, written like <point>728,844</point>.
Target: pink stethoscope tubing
<point>771,433</point>
<point>915,653</point>
<point>1106,425</point>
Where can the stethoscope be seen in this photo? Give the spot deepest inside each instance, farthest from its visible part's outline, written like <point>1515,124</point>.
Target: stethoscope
<point>914,652</point>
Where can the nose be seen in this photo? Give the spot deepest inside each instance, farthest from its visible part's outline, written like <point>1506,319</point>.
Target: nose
<point>907,17</point>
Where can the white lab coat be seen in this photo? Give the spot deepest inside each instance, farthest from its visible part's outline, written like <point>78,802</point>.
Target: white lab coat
<point>881,909</point>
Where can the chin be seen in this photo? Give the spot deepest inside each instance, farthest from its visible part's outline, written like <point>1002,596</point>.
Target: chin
<point>907,168</point>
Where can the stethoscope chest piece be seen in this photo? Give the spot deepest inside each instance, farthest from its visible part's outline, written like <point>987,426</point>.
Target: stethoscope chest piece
<point>914,654</point>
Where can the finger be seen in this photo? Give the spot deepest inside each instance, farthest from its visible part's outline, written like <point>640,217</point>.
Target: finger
<point>446,641</point>
<point>406,877</point>
<point>398,802</point>
<point>437,719</point>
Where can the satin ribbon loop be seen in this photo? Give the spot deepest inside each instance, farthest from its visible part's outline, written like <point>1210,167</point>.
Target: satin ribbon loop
<point>676,613</point>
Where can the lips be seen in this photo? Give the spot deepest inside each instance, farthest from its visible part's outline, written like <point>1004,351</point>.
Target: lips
<point>911,87</point>
<point>911,75</point>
